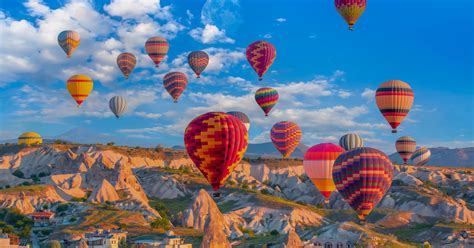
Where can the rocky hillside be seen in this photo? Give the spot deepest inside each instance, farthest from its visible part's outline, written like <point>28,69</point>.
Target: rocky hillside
<point>263,200</point>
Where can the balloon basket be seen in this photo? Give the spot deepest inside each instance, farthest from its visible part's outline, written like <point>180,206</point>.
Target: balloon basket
<point>216,195</point>
<point>394,131</point>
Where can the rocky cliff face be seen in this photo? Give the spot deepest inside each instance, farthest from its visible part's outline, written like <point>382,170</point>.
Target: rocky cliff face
<point>104,193</point>
<point>29,198</point>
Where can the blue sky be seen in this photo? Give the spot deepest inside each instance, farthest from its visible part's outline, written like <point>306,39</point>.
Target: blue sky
<point>325,74</point>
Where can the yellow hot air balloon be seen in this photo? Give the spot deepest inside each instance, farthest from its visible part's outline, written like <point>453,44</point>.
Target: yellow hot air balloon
<point>30,138</point>
<point>80,86</point>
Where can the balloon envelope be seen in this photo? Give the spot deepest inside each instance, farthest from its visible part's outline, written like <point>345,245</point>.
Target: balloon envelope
<point>156,48</point>
<point>30,138</point>
<point>69,41</point>
<point>118,105</point>
<point>79,86</point>
<point>242,117</point>
<point>350,141</point>
<point>405,146</point>
<point>318,162</point>
<point>216,143</point>
<point>362,176</point>
<point>126,63</point>
<point>175,83</point>
<point>350,10</point>
<point>394,99</point>
<point>261,55</point>
<point>266,98</point>
<point>286,136</point>
<point>421,156</point>
<point>198,61</point>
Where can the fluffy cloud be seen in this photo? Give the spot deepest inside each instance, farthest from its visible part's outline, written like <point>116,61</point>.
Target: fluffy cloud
<point>210,34</point>
<point>132,8</point>
<point>281,19</point>
<point>368,94</point>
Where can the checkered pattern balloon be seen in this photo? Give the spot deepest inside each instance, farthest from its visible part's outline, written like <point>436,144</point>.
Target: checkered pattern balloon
<point>216,142</point>
<point>286,137</point>
<point>261,55</point>
<point>198,61</point>
<point>175,83</point>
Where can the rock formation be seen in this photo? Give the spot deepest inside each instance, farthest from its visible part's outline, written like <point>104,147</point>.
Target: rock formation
<point>293,240</point>
<point>104,193</point>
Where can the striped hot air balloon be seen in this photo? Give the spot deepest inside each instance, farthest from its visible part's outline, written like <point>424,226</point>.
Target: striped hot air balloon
<point>266,98</point>
<point>157,48</point>
<point>286,136</point>
<point>216,142</point>
<point>350,10</point>
<point>69,41</point>
<point>394,99</point>
<point>242,117</point>
<point>79,86</point>
<point>350,141</point>
<point>362,176</point>
<point>318,162</point>
<point>421,156</point>
<point>405,146</point>
<point>118,105</point>
<point>126,63</point>
<point>198,61</point>
<point>30,138</point>
<point>175,83</point>
<point>261,55</point>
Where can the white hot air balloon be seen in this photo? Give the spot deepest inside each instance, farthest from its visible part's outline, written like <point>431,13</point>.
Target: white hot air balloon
<point>118,105</point>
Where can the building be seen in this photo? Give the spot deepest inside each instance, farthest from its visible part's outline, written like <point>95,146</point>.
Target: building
<point>169,242</point>
<point>42,218</point>
<point>329,243</point>
<point>12,241</point>
<point>105,238</point>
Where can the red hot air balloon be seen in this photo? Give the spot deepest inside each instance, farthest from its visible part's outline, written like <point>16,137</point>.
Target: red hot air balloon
<point>362,176</point>
<point>157,48</point>
<point>216,142</point>
<point>286,136</point>
<point>126,63</point>
<point>175,83</point>
<point>198,61</point>
<point>266,98</point>
<point>350,10</point>
<point>261,55</point>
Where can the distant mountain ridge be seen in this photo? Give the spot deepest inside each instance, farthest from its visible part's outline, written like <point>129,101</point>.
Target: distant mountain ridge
<point>443,156</point>
<point>269,150</point>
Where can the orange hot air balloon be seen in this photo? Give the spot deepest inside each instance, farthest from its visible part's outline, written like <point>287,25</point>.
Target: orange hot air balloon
<point>79,86</point>
<point>157,48</point>
<point>394,99</point>
<point>261,55</point>
<point>318,162</point>
<point>216,143</point>
<point>286,136</point>
<point>406,146</point>
<point>126,63</point>
<point>350,10</point>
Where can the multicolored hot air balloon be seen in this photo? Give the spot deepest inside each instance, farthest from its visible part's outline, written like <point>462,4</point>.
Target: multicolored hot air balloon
<point>318,162</point>
<point>126,63</point>
<point>362,176</point>
<point>406,146</point>
<point>175,83</point>
<point>216,142</point>
<point>394,99</point>
<point>286,136</point>
<point>157,48</point>
<point>261,55</point>
<point>350,141</point>
<point>421,156</point>
<point>350,10</point>
<point>30,138</point>
<point>79,86</point>
<point>118,105</point>
<point>242,117</point>
<point>266,98</point>
<point>198,61</point>
<point>69,41</point>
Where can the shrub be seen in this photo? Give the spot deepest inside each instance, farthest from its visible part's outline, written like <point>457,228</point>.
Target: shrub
<point>274,232</point>
<point>43,174</point>
<point>111,143</point>
<point>245,186</point>
<point>161,222</point>
<point>19,173</point>
<point>265,192</point>
<point>62,207</point>
<point>72,219</point>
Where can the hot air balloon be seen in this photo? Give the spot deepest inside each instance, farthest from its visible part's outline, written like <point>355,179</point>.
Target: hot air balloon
<point>216,142</point>
<point>30,138</point>
<point>198,61</point>
<point>421,156</point>
<point>350,141</point>
<point>394,99</point>
<point>318,162</point>
<point>350,10</point>
<point>261,55</point>
<point>266,98</point>
<point>118,105</point>
<point>286,136</point>
<point>79,86</point>
<point>157,48</point>
<point>69,41</point>
<point>406,146</point>
<point>126,63</point>
<point>362,176</point>
<point>175,83</point>
<point>242,117</point>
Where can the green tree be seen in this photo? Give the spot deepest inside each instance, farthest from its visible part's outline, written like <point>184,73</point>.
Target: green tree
<point>19,173</point>
<point>123,244</point>
<point>274,232</point>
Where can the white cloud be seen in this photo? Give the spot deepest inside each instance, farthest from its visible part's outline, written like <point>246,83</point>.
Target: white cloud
<point>148,115</point>
<point>281,19</point>
<point>368,94</point>
<point>36,7</point>
<point>267,36</point>
<point>210,34</point>
<point>190,15</point>
<point>132,8</point>
<point>313,36</point>
<point>344,94</point>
